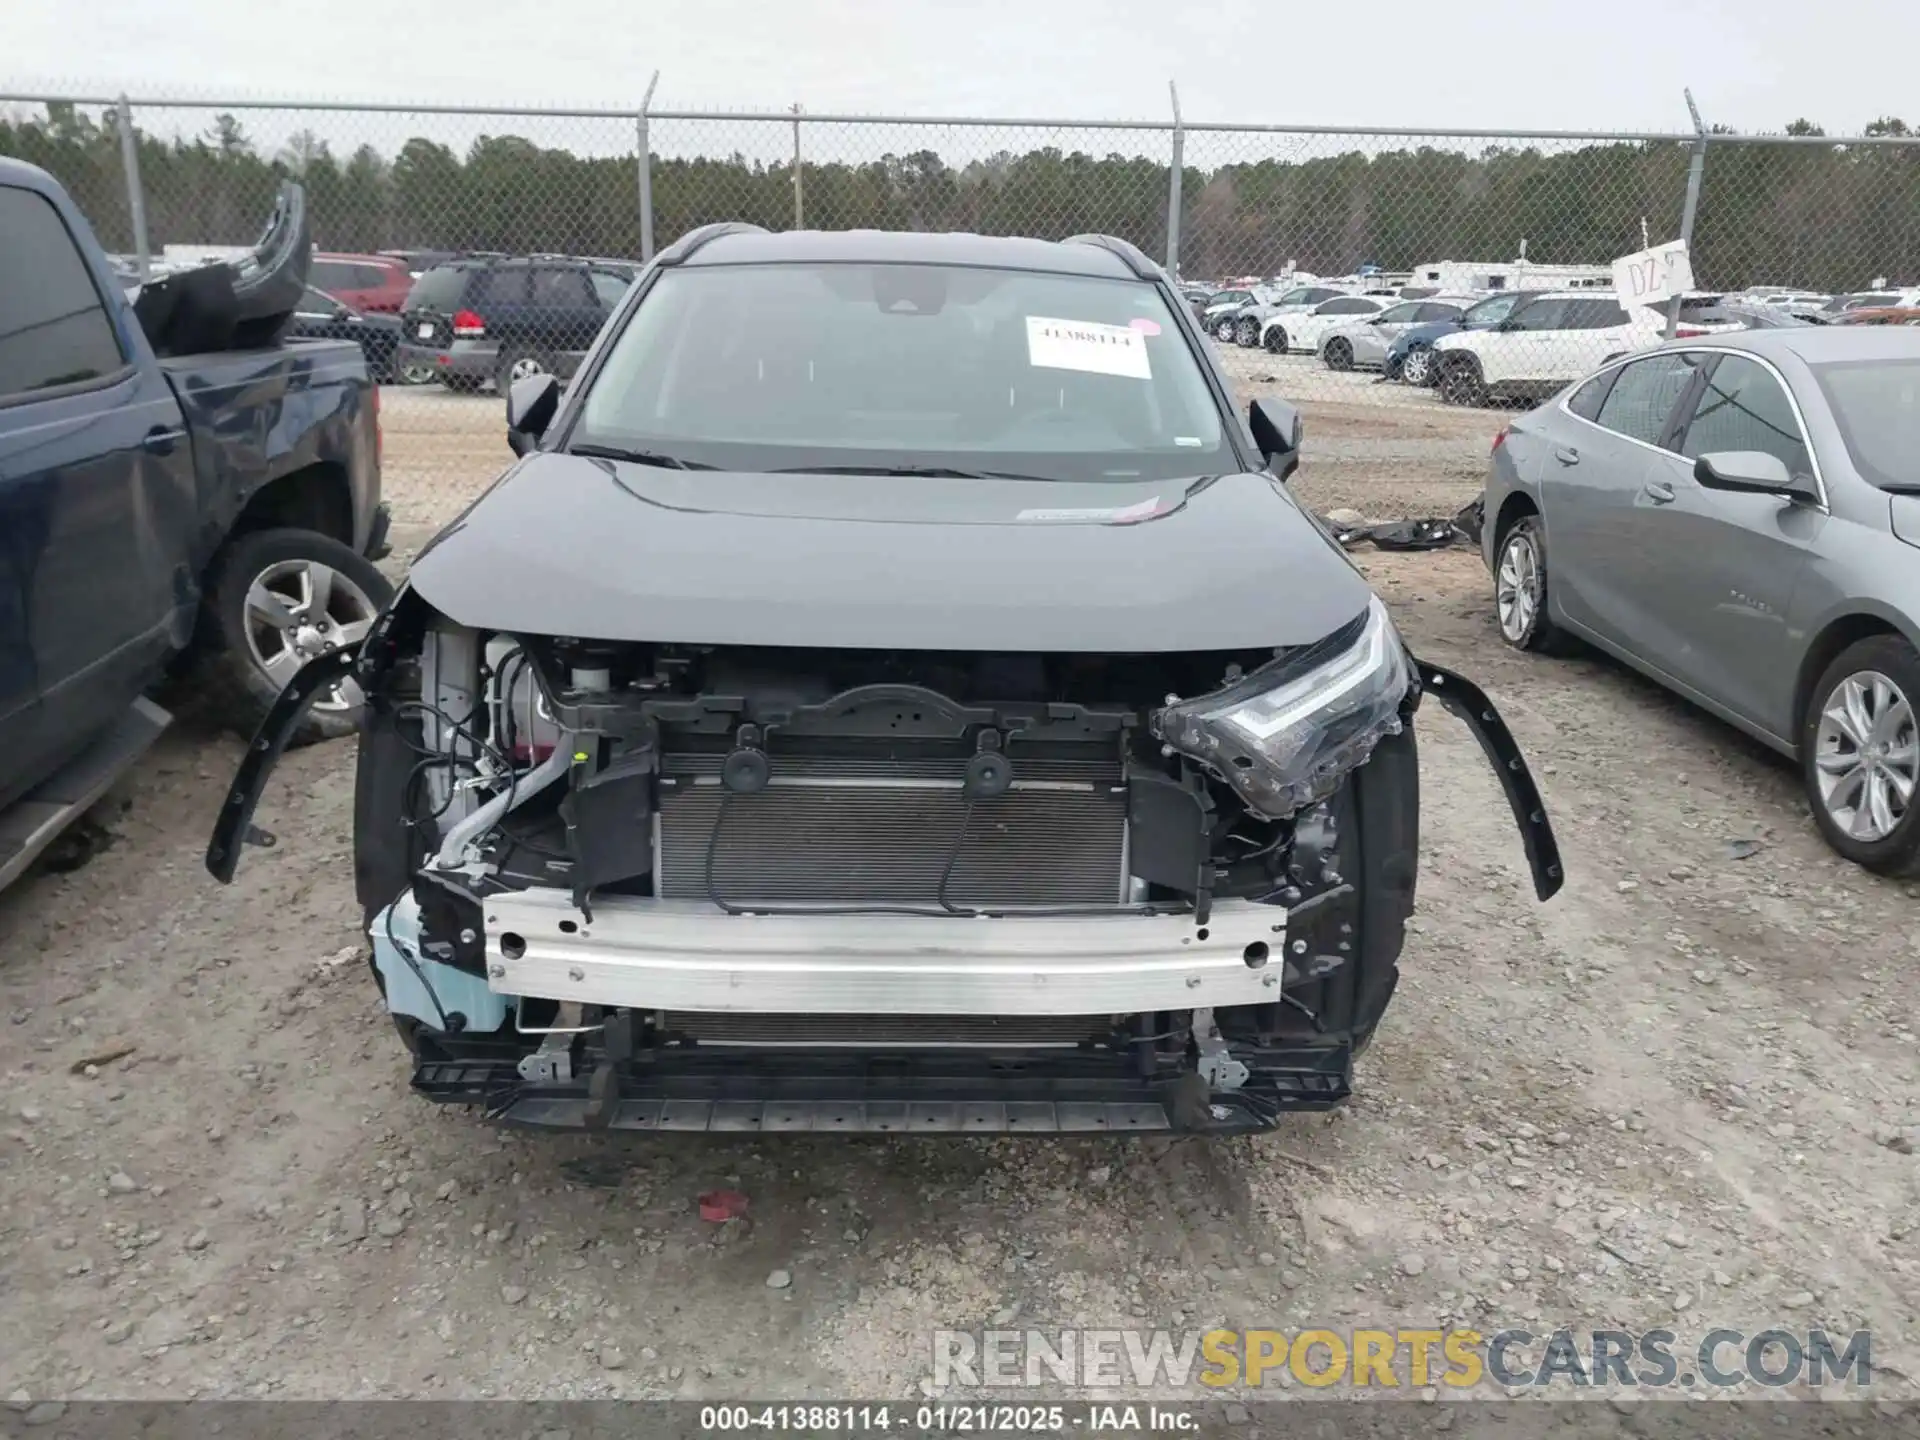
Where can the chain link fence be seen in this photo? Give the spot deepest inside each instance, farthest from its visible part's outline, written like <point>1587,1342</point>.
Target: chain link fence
<point>1385,281</point>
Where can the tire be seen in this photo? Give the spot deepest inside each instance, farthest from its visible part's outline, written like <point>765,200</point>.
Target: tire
<point>1276,340</point>
<point>1520,589</point>
<point>1876,680</point>
<point>517,363</point>
<point>1339,355</point>
<point>418,374</point>
<point>1247,333</point>
<point>1459,381</point>
<point>1223,330</point>
<point>263,625</point>
<point>1416,366</point>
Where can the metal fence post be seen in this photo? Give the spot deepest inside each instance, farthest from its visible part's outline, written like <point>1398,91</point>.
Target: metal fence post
<point>136,197</point>
<point>799,210</point>
<point>1174,176</point>
<point>1695,167</point>
<point>646,173</point>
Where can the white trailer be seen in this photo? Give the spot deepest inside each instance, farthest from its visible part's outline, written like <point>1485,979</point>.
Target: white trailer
<point>1522,274</point>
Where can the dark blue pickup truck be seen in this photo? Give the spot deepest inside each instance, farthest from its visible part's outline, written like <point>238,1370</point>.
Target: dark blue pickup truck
<point>180,491</point>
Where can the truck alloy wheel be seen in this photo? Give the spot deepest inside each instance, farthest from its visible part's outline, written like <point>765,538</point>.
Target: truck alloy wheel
<point>280,598</point>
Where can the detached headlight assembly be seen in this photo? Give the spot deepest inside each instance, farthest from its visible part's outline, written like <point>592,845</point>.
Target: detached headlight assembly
<point>1285,735</point>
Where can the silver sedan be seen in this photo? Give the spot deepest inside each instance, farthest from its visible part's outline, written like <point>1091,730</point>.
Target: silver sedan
<point>1363,344</point>
<point>1739,518</point>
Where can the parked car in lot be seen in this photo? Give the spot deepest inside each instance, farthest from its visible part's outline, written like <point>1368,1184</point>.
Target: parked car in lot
<point>1291,300</point>
<point>1739,518</point>
<point>1890,315</point>
<point>321,317</point>
<point>1303,329</point>
<point>894,691</point>
<point>1222,309</point>
<point>474,320</point>
<point>377,284</point>
<point>1540,346</point>
<point>1870,300</point>
<point>216,503</point>
<point>1364,343</point>
<point>1410,356</point>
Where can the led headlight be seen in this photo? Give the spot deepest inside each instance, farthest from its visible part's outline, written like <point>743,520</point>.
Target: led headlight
<point>1285,735</point>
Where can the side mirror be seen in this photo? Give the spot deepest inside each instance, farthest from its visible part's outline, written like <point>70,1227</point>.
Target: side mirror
<point>1745,472</point>
<point>1276,431</point>
<point>1508,325</point>
<point>531,403</point>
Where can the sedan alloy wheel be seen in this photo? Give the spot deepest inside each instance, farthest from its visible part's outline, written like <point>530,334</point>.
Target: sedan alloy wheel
<point>1867,756</point>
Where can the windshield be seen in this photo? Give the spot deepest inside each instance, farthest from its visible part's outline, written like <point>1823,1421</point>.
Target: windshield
<point>780,367</point>
<point>1877,403</point>
<point>1493,311</point>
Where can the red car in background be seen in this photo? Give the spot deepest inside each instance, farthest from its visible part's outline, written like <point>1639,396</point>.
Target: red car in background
<point>364,282</point>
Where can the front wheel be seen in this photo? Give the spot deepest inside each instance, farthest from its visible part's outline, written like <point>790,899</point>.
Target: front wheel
<point>1460,382</point>
<point>1417,367</point>
<point>275,600</point>
<point>1520,588</point>
<point>1860,753</point>
<point>1339,355</point>
<point>1276,340</point>
<point>1247,333</point>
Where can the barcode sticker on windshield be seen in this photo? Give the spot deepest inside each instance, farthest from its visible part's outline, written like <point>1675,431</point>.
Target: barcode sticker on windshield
<point>1084,345</point>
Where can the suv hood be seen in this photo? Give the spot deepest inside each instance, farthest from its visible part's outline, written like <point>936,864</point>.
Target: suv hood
<point>568,545</point>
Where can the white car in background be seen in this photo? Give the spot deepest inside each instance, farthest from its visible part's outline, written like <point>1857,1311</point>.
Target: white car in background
<point>1302,330</point>
<point>1550,341</point>
<point>1363,343</point>
<point>1283,300</point>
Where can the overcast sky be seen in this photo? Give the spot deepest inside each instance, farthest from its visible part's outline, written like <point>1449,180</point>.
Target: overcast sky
<point>1753,64</point>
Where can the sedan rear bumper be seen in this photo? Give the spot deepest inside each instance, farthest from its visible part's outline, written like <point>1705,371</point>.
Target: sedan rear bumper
<point>688,955</point>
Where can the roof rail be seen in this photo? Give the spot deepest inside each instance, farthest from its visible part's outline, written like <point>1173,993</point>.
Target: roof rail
<point>1125,249</point>
<point>682,249</point>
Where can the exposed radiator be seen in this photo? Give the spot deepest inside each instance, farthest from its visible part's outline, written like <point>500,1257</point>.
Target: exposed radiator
<point>880,830</point>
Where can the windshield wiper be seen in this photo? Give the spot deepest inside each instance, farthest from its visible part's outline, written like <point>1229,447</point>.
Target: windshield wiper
<point>924,472</point>
<point>639,457</point>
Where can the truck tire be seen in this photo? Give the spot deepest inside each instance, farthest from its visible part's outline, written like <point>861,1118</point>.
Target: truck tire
<point>275,599</point>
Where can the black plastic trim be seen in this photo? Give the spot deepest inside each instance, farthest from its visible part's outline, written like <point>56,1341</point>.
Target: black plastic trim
<point>1136,258</point>
<point>268,744</point>
<point>1462,698</point>
<point>682,250</point>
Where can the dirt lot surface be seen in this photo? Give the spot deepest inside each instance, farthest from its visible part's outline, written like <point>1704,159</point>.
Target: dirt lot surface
<point>1683,1094</point>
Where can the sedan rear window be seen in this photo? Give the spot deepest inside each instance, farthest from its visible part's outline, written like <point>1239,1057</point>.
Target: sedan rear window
<point>770,367</point>
<point>1877,403</point>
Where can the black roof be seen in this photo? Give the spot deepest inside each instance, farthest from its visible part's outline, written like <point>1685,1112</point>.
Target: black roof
<point>880,247</point>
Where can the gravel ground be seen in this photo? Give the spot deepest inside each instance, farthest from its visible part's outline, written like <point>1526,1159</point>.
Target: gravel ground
<point>1681,1094</point>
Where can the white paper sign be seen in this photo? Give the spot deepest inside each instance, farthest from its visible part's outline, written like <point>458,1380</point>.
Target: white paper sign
<point>1653,277</point>
<point>1084,345</point>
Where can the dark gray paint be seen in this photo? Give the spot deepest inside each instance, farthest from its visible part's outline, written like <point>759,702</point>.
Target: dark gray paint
<point>558,547</point>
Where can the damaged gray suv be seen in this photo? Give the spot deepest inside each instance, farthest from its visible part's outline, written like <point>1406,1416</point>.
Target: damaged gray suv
<point>891,692</point>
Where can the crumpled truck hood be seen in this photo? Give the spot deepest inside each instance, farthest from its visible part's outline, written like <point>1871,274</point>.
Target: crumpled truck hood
<point>609,550</point>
